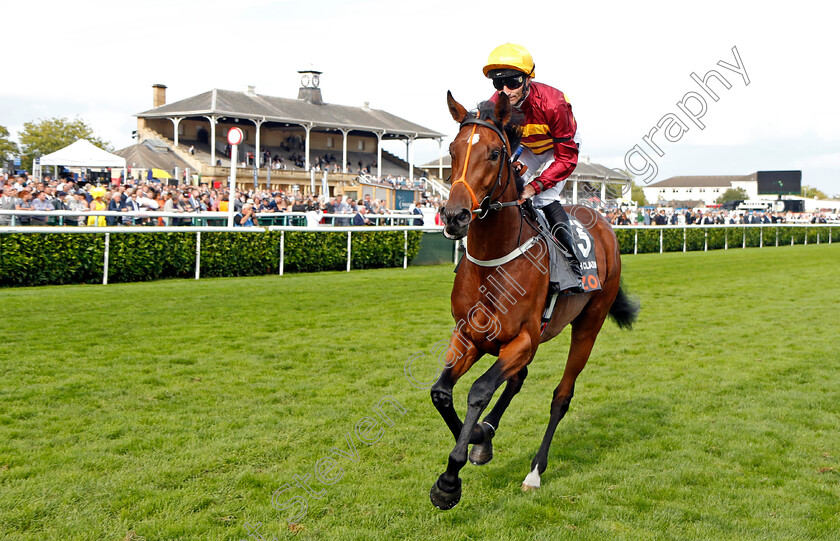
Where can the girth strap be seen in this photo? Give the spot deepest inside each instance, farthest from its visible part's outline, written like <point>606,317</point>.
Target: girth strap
<point>509,257</point>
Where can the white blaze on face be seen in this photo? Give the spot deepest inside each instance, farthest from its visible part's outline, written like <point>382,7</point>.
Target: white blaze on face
<point>475,139</point>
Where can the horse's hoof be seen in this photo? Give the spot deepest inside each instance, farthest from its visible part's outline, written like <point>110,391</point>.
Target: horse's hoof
<point>445,500</point>
<point>481,453</point>
<point>532,481</point>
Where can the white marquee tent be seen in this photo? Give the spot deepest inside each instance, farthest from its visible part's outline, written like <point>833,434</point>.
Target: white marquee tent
<point>83,153</point>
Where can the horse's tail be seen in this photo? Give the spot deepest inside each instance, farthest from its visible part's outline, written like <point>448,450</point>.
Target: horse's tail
<point>624,309</point>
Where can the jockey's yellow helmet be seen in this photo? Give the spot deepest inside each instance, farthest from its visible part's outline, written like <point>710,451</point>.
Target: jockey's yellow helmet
<point>509,56</point>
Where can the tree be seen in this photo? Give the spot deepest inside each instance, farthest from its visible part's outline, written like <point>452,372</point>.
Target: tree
<point>8,149</point>
<point>732,194</point>
<point>812,193</point>
<point>637,194</point>
<point>46,136</point>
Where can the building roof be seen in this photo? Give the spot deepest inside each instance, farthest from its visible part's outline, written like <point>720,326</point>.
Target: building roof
<point>702,181</point>
<point>146,156</point>
<point>249,105</point>
<point>446,160</point>
<point>586,169</point>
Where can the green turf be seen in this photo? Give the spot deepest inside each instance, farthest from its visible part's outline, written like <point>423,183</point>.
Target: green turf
<point>173,410</point>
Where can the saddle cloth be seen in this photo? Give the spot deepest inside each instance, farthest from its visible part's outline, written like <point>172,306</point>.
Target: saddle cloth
<point>560,273</point>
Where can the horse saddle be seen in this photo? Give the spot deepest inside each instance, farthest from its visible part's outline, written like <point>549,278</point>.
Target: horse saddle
<point>560,275</point>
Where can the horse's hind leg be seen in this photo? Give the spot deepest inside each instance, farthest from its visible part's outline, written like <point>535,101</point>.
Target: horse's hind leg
<point>584,332</point>
<point>482,453</point>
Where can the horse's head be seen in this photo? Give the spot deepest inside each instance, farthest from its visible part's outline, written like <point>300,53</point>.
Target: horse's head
<point>480,160</point>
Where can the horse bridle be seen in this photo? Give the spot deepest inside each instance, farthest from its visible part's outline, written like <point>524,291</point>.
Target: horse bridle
<point>488,203</point>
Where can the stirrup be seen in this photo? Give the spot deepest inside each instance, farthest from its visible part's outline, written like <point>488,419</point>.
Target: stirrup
<point>554,287</point>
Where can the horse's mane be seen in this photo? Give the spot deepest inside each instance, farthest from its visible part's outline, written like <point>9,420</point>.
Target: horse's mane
<point>513,129</point>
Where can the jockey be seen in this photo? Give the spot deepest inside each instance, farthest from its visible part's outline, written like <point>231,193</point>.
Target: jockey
<point>548,139</point>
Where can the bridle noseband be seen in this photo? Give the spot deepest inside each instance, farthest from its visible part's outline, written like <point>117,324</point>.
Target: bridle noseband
<point>488,203</point>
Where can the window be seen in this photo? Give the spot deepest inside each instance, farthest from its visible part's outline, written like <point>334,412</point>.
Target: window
<point>361,145</point>
<point>330,142</point>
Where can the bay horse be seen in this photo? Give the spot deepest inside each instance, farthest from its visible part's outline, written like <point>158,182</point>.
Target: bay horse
<point>506,322</point>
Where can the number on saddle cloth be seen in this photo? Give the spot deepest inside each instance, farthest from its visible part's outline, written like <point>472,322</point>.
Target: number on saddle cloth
<point>560,273</point>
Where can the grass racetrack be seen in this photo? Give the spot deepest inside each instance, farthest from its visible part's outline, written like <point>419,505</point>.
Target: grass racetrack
<point>175,409</point>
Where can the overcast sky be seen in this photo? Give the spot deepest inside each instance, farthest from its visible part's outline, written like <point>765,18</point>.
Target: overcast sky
<point>624,66</point>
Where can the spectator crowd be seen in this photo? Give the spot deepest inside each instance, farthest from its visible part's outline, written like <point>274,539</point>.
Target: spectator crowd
<point>47,195</point>
<point>24,193</point>
<point>662,216</point>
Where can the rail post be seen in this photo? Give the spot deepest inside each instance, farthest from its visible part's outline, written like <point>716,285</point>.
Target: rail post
<point>282,251</point>
<point>405,251</point>
<point>197,254</point>
<point>107,253</point>
<point>636,241</point>
<point>349,242</point>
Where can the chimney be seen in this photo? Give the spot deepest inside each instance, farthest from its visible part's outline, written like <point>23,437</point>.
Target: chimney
<point>158,95</point>
<point>252,90</point>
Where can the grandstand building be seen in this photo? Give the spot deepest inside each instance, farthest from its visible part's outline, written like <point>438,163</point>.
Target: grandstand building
<point>304,133</point>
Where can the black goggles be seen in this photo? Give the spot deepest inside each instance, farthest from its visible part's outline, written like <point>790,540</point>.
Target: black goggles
<point>511,82</point>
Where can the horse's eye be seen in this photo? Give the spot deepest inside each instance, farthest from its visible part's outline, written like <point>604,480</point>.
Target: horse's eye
<point>494,154</point>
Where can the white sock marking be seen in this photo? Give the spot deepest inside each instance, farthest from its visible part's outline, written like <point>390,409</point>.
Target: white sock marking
<point>533,479</point>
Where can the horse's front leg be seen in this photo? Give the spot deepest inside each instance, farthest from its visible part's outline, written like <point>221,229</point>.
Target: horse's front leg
<point>446,492</point>
<point>456,365</point>
<point>482,452</point>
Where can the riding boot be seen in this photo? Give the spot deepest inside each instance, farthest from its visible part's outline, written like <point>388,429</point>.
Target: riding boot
<point>558,221</point>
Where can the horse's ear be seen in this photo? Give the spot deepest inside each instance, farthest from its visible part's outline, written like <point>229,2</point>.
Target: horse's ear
<point>455,109</point>
<point>503,109</point>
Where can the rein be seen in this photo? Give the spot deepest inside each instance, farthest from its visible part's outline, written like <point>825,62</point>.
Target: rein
<point>488,203</point>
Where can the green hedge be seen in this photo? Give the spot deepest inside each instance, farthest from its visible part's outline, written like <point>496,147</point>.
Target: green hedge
<point>65,258</point>
<point>695,237</point>
<point>70,258</point>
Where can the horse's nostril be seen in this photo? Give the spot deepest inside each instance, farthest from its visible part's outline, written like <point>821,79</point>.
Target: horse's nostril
<point>464,216</point>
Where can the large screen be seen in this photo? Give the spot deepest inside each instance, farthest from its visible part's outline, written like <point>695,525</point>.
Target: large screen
<point>779,182</point>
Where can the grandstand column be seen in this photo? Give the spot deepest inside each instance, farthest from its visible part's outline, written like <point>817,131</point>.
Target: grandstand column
<point>308,128</point>
<point>344,133</point>
<point>257,154</point>
<point>175,121</point>
<point>379,154</point>
<point>410,160</point>
<point>440,158</point>
<point>574,192</point>
<point>212,119</point>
